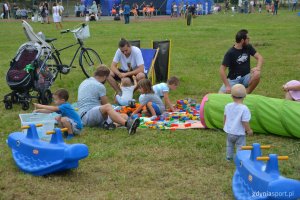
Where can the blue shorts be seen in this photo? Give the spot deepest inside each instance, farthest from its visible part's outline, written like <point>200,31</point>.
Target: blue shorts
<point>244,80</point>
<point>156,109</point>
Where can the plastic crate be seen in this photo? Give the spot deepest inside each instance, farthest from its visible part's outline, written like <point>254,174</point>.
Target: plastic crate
<point>48,121</point>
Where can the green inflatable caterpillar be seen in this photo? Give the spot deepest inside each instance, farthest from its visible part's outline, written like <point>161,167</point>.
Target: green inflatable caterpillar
<point>268,115</point>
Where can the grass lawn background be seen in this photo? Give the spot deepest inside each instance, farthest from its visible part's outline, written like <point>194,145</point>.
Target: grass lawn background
<point>157,164</point>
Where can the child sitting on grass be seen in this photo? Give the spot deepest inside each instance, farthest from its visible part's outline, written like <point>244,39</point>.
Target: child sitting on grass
<point>153,103</point>
<point>236,121</point>
<point>69,118</point>
<point>162,90</point>
<point>127,91</point>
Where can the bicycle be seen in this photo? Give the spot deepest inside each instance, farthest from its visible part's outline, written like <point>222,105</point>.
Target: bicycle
<point>89,59</point>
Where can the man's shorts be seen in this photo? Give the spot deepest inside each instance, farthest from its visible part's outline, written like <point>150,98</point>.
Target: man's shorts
<point>93,118</point>
<point>117,78</point>
<point>75,130</point>
<point>244,80</point>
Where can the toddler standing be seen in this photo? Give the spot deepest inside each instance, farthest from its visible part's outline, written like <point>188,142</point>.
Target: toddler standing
<point>236,121</point>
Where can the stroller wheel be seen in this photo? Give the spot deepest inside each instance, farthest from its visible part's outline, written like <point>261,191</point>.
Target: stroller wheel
<point>14,98</point>
<point>45,97</point>
<point>8,105</point>
<point>25,105</point>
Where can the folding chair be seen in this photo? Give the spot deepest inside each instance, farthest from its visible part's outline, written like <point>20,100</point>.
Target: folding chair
<point>136,43</point>
<point>149,56</point>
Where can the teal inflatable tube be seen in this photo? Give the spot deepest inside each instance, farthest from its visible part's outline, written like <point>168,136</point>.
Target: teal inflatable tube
<point>268,115</point>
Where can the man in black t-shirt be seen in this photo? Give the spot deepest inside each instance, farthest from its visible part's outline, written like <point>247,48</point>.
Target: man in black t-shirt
<point>237,60</point>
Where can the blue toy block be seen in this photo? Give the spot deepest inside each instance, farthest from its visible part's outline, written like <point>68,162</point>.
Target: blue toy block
<point>253,179</point>
<point>39,158</point>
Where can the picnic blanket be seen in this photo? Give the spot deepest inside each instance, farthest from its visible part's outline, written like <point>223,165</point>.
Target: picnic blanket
<point>186,117</point>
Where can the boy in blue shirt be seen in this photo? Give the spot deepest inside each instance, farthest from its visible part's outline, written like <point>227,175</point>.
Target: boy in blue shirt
<point>236,121</point>
<point>162,90</point>
<point>69,118</point>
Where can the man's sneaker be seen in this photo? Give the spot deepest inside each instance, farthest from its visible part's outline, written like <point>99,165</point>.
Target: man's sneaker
<point>109,126</point>
<point>132,125</point>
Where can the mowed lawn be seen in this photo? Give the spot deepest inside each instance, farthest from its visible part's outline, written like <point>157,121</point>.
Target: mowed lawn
<point>157,164</point>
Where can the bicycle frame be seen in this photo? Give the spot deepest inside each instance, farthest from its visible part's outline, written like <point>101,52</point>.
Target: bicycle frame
<point>57,51</point>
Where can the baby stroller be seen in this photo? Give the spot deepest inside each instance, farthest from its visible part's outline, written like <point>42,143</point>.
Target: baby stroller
<point>29,73</point>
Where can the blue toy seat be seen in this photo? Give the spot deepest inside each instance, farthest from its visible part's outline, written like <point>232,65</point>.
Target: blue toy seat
<point>253,179</point>
<point>38,157</point>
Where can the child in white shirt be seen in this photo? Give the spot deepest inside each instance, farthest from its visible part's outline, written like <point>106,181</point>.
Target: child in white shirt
<point>236,121</point>
<point>127,91</point>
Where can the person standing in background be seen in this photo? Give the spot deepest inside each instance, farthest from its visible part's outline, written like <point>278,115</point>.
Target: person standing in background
<point>56,16</point>
<point>276,3</point>
<point>294,5</point>
<point>6,10</point>
<point>126,12</point>
<point>46,5</point>
<point>61,10</point>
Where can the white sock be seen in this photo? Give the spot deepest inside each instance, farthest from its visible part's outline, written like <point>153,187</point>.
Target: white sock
<point>109,121</point>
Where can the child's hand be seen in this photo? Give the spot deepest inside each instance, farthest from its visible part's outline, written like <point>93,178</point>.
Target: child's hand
<point>249,132</point>
<point>134,77</point>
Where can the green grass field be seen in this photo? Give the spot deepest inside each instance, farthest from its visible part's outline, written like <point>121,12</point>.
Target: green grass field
<point>157,164</point>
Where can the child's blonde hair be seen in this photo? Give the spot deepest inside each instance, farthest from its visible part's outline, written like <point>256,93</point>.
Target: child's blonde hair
<point>238,91</point>
<point>126,82</point>
<point>146,85</point>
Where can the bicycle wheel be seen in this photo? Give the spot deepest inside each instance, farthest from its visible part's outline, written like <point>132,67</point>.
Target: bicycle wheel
<point>53,65</point>
<point>89,60</point>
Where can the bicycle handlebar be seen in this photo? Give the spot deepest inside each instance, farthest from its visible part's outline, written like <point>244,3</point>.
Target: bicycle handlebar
<point>68,30</point>
<point>65,31</point>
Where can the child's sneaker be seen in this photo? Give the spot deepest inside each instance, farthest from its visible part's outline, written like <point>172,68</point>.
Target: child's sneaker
<point>70,136</point>
<point>228,159</point>
<point>132,125</point>
<point>65,134</point>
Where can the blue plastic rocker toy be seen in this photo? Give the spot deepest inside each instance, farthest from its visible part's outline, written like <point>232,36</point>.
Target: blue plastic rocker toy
<point>253,179</point>
<point>38,157</point>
